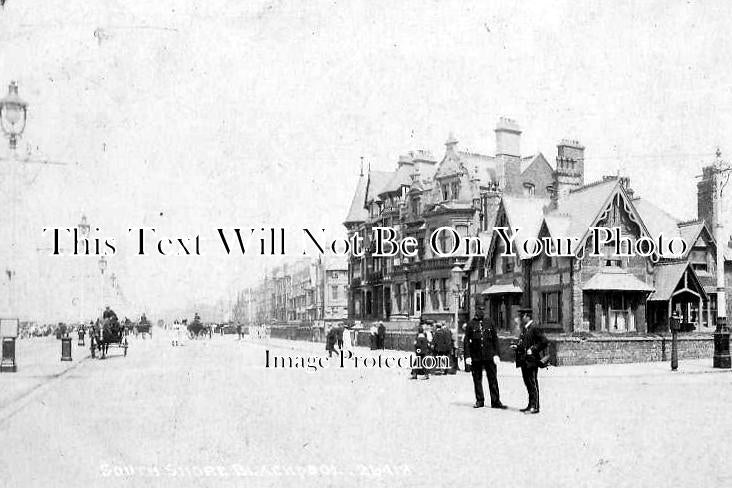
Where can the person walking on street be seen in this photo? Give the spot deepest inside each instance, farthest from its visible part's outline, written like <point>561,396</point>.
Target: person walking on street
<point>373,337</point>
<point>381,335</point>
<point>347,343</point>
<point>482,344</point>
<point>339,336</point>
<point>531,344</point>
<point>421,350</point>
<point>330,341</point>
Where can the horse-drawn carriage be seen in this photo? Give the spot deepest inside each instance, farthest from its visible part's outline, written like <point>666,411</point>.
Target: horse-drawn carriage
<point>143,327</point>
<point>108,332</point>
<point>197,329</point>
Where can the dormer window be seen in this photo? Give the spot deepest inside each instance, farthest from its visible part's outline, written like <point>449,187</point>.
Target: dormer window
<point>529,190</point>
<point>455,190</point>
<point>450,190</point>
<point>415,206</point>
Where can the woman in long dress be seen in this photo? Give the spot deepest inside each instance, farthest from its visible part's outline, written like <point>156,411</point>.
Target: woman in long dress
<point>347,339</point>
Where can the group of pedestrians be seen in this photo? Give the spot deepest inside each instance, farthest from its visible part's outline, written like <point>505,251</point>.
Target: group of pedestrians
<point>377,336</point>
<point>440,344</point>
<point>338,338</point>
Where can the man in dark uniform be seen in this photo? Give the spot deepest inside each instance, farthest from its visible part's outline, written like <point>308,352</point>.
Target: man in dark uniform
<point>531,344</point>
<point>483,354</point>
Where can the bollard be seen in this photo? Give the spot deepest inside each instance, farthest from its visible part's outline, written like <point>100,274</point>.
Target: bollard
<point>675,326</point>
<point>8,364</point>
<point>66,349</point>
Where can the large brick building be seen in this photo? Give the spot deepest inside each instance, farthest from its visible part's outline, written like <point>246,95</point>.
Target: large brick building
<point>461,191</point>
<point>474,193</point>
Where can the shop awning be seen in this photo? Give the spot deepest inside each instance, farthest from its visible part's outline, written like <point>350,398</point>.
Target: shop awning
<point>501,289</point>
<point>615,279</point>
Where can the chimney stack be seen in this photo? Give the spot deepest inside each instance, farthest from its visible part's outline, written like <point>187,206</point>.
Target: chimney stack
<point>508,138</point>
<point>706,198</point>
<point>508,153</point>
<point>570,171</point>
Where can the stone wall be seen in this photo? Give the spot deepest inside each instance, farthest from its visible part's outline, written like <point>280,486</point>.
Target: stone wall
<point>569,351</point>
<point>565,350</point>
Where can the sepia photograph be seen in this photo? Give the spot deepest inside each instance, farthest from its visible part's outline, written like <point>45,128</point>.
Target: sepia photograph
<point>365,243</point>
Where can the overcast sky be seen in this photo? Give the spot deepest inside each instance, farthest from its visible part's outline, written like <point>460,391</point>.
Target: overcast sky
<point>188,116</point>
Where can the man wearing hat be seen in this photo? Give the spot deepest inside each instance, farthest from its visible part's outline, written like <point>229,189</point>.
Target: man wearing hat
<point>531,344</point>
<point>443,342</point>
<point>482,346</point>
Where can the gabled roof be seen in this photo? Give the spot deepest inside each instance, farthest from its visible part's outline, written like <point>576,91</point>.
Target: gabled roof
<point>558,225</point>
<point>659,222</point>
<point>667,277</point>
<point>525,214</point>
<point>690,231</point>
<point>377,180</point>
<point>583,206</point>
<point>358,212</point>
<point>529,161</point>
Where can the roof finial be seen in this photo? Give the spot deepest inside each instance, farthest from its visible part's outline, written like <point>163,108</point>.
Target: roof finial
<point>361,165</point>
<point>718,153</point>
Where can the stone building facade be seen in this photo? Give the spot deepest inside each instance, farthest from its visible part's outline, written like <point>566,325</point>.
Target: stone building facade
<point>308,291</point>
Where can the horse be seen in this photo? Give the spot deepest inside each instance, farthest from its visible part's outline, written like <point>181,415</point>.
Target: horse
<point>109,331</point>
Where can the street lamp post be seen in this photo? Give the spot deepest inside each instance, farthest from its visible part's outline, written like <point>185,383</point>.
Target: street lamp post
<point>457,278</point>
<point>13,115</point>
<point>721,334</point>
<point>102,267</point>
<point>83,228</point>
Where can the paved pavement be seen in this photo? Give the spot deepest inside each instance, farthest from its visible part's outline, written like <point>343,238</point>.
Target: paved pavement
<point>211,414</point>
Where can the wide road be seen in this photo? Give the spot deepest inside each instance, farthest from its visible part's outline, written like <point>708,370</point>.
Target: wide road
<point>210,414</point>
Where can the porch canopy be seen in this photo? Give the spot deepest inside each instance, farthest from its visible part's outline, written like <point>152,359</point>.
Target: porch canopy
<point>673,279</point>
<point>501,289</point>
<point>616,279</point>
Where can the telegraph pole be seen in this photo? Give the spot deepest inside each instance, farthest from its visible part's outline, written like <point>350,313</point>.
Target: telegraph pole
<point>721,334</point>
